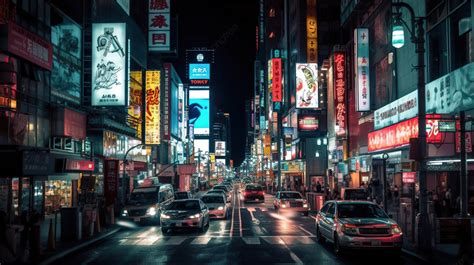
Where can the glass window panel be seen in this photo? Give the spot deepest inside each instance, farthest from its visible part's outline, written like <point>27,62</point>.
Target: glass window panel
<point>461,32</point>
<point>25,195</point>
<point>437,52</point>
<point>38,198</point>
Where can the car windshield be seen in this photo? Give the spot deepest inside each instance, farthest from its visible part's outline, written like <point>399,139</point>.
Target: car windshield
<point>184,205</point>
<point>290,195</point>
<point>212,199</point>
<point>359,210</point>
<point>220,188</point>
<point>253,188</point>
<point>144,197</point>
<point>181,195</point>
<point>216,191</point>
<point>355,195</point>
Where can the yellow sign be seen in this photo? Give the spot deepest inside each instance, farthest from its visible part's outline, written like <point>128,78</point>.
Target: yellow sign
<point>212,157</point>
<point>311,32</point>
<point>152,125</point>
<point>135,107</point>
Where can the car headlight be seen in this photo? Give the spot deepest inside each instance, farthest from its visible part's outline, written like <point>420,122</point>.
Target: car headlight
<point>396,230</point>
<point>165,216</point>
<point>349,229</point>
<point>151,211</point>
<point>194,216</point>
<point>220,208</point>
<point>283,206</point>
<point>124,213</point>
<point>305,205</point>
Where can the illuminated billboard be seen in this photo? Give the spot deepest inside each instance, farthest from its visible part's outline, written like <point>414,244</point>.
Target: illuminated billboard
<point>159,25</point>
<point>109,82</point>
<point>362,73</point>
<point>135,104</point>
<point>307,90</point>
<point>201,145</point>
<point>198,111</point>
<point>220,148</point>
<point>276,80</point>
<point>340,108</point>
<point>152,125</point>
<point>199,71</point>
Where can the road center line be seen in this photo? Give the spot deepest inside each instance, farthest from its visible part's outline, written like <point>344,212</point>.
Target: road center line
<point>306,231</point>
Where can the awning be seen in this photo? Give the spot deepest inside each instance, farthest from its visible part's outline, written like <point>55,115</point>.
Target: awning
<point>186,169</point>
<point>167,171</point>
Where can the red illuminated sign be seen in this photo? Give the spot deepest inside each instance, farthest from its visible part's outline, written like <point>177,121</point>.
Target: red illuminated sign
<point>408,177</point>
<point>340,93</point>
<point>308,123</point>
<point>276,80</point>
<point>200,82</point>
<point>79,165</point>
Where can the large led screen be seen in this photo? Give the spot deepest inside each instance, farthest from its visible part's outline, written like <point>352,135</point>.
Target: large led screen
<point>307,91</point>
<point>109,64</point>
<point>198,111</point>
<point>201,145</point>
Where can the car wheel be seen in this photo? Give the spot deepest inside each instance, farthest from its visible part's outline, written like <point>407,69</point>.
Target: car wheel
<point>319,237</point>
<point>337,246</point>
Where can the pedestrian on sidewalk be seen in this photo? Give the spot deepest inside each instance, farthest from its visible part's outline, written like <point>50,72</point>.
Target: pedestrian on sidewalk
<point>7,250</point>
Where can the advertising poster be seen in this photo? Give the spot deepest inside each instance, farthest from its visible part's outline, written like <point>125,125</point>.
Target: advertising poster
<point>135,104</point>
<point>220,148</point>
<point>362,77</point>
<point>152,125</point>
<point>451,93</point>
<point>198,111</point>
<point>199,71</point>
<point>67,68</point>
<point>201,145</point>
<point>109,64</point>
<point>307,91</point>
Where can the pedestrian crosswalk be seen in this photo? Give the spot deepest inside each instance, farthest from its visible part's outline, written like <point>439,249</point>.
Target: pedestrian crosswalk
<point>218,240</point>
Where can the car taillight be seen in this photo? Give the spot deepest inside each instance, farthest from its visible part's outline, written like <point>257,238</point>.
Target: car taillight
<point>246,193</point>
<point>260,192</point>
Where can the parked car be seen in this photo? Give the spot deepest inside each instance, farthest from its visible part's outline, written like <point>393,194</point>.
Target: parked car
<point>190,213</point>
<point>354,194</point>
<point>291,201</point>
<point>358,225</point>
<point>217,204</point>
<point>145,203</point>
<point>253,192</point>
<point>180,195</point>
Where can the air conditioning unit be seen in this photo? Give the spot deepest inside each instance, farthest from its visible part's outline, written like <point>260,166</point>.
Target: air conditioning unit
<point>68,144</point>
<point>57,143</point>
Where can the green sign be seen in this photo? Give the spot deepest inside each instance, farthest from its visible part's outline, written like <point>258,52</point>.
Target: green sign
<point>447,126</point>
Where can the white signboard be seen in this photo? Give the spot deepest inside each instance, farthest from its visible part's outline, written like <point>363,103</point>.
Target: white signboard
<point>307,91</point>
<point>401,109</point>
<point>451,93</point>
<point>159,25</point>
<point>220,148</point>
<point>109,81</point>
<point>362,75</point>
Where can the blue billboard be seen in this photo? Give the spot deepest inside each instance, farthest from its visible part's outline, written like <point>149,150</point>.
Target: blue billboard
<point>199,71</point>
<point>198,113</point>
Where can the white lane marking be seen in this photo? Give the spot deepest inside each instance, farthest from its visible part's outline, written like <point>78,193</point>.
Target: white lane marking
<point>240,221</point>
<point>312,217</point>
<point>295,257</point>
<point>148,241</point>
<point>251,240</point>
<point>232,219</point>
<point>273,240</point>
<point>306,231</point>
<point>201,241</point>
<point>254,220</point>
<point>293,240</point>
<point>176,240</point>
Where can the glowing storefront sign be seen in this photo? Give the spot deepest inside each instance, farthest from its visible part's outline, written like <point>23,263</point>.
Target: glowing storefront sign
<point>340,93</point>
<point>220,148</point>
<point>311,32</point>
<point>362,76</point>
<point>159,25</point>
<point>199,71</point>
<point>152,125</point>
<point>108,64</point>
<point>307,90</point>
<point>276,80</point>
<point>307,123</point>
<point>198,111</point>
<point>135,107</point>
<point>401,109</point>
<point>408,177</point>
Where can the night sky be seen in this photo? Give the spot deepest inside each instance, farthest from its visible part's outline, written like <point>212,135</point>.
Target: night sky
<point>228,27</point>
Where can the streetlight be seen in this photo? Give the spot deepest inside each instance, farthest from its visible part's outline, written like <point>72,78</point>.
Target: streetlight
<point>417,33</point>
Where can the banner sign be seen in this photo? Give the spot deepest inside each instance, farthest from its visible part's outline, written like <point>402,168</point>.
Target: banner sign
<point>198,115</point>
<point>340,93</point>
<point>307,122</point>
<point>451,93</point>
<point>135,104</point>
<point>152,123</point>
<point>220,149</point>
<point>166,101</point>
<point>362,77</point>
<point>307,90</point>
<point>111,176</point>
<point>199,71</point>
<point>311,32</point>
<point>159,25</point>
<point>408,177</point>
<point>401,109</point>
<point>276,80</point>
<point>109,64</point>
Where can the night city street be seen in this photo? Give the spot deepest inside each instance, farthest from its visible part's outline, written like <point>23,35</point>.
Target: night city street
<point>236,132</point>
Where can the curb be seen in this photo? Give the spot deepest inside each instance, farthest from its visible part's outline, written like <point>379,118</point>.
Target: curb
<point>70,251</point>
<point>415,255</point>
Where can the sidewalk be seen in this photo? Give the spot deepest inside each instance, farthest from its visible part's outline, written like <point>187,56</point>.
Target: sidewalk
<point>64,249</point>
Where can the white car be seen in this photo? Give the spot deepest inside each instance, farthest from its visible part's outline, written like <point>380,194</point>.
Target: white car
<point>217,204</point>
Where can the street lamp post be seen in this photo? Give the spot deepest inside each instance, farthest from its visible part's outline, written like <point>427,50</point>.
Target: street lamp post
<point>124,164</point>
<point>417,34</point>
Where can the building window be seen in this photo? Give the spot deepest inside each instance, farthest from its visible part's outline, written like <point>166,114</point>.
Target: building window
<point>437,51</point>
<point>272,12</point>
<point>461,33</point>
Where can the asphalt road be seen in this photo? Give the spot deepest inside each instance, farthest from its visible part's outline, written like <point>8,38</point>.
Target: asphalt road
<point>253,234</point>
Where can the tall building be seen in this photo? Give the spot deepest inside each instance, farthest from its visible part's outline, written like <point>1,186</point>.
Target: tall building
<point>221,135</point>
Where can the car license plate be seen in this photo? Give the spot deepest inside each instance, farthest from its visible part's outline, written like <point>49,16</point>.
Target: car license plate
<point>256,200</point>
<point>254,192</point>
<point>136,219</point>
<point>179,224</point>
<point>376,243</point>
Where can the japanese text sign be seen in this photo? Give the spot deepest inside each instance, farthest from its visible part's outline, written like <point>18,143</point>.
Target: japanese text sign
<point>159,25</point>
<point>276,81</point>
<point>152,124</point>
<point>340,93</point>
<point>362,73</point>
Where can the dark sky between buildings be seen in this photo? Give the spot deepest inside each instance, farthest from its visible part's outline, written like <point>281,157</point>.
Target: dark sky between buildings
<point>228,26</point>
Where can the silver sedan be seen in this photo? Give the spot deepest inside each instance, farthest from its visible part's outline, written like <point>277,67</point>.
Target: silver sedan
<point>190,213</point>
<point>358,225</point>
